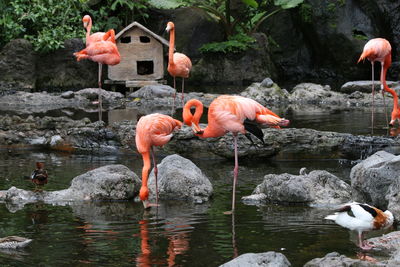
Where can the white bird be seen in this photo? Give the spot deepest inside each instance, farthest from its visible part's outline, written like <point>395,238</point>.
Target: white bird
<point>362,218</point>
<point>14,242</point>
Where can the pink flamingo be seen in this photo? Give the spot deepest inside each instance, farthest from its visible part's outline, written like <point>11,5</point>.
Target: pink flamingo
<point>104,51</point>
<point>378,49</point>
<point>95,37</point>
<point>152,130</point>
<point>234,114</point>
<point>179,65</point>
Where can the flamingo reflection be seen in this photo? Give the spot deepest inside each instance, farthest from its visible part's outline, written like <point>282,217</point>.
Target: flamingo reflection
<point>178,244</point>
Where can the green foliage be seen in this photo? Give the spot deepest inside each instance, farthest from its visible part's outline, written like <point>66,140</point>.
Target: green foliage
<point>244,21</point>
<point>167,4</point>
<point>48,23</point>
<point>306,12</point>
<point>235,44</point>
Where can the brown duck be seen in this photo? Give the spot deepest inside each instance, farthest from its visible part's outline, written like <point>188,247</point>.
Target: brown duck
<point>39,176</point>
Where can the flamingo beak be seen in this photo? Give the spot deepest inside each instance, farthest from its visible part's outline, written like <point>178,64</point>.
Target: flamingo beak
<point>196,129</point>
<point>284,122</point>
<point>146,204</point>
<point>85,24</point>
<point>168,28</point>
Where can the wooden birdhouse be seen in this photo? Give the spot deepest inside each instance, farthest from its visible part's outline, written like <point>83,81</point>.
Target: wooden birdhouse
<point>142,57</point>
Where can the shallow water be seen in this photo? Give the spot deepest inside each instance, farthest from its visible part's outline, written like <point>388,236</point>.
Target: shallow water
<point>121,233</point>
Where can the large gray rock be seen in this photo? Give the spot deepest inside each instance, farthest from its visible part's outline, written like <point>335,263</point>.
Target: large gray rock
<point>266,92</point>
<point>393,198</point>
<point>111,182</point>
<point>153,91</point>
<point>249,66</point>
<point>179,178</point>
<point>387,244</point>
<point>60,70</point>
<point>266,259</point>
<point>315,188</point>
<point>366,86</point>
<point>305,92</point>
<point>17,66</point>
<point>371,178</point>
<point>334,259</point>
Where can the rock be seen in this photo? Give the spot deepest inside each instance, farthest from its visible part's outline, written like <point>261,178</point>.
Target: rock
<point>179,178</point>
<point>315,188</point>
<point>266,95</point>
<point>59,69</point>
<point>366,86</point>
<point>110,182</point>
<point>17,66</point>
<point>153,91</point>
<point>305,92</point>
<point>387,244</point>
<point>371,178</point>
<point>107,182</point>
<point>393,198</point>
<point>334,259</point>
<point>241,68</point>
<point>267,82</point>
<point>281,142</point>
<point>68,95</point>
<point>266,259</point>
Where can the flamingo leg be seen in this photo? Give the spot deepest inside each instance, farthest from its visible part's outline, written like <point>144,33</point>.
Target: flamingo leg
<point>235,175</point>
<point>183,86</point>
<point>373,98</point>
<point>155,173</point>
<point>173,103</point>
<point>383,94</point>
<point>100,98</point>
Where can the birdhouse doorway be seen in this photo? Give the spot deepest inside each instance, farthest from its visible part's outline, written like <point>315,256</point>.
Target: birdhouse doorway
<point>145,67</point>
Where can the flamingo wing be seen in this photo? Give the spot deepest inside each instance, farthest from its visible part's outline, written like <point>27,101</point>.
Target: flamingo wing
<point>376,50</point>
<point>181,66</point>
<point>154,130</point>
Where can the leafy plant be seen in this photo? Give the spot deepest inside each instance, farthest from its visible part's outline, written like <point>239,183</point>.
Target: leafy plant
<point>48,23</point>
<point>235,44</point>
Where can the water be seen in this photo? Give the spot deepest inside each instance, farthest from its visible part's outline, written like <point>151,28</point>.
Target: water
<point>121,233</point>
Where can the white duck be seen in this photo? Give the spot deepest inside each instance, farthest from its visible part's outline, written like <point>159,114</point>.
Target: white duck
<point>362,218</point>
<point>14,242</point>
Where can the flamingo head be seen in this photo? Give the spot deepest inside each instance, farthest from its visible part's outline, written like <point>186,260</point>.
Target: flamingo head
<point>191,119</point>
<point>170,26</point>
<point>86,20</point>
<point>395,117</point>
<point>144,193</point>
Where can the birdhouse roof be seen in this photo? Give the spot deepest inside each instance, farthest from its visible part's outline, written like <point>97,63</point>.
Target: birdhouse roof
<point>143,28</point>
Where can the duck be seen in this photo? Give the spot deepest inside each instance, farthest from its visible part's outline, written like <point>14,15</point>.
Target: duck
<point>14,242</point>
<point>39,176</point>
<point>362,218</point>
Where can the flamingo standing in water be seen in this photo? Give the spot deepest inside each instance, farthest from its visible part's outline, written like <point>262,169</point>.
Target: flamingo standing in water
<point>234,114</point>
<point>152,130</point>
<point>378,49</point>
<point>104,51</point>
<point>179,65</point>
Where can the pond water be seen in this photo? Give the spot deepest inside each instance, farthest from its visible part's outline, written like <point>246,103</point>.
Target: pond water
<point>176,234</point>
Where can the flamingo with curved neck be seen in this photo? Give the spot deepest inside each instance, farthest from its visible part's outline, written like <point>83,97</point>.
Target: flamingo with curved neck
<point>235,114</point>
<point>179,65</point>
<point>152,130</point>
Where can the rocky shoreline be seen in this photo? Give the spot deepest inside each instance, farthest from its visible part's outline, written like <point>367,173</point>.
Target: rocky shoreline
<point>50,121</point>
